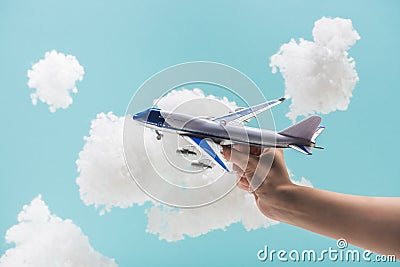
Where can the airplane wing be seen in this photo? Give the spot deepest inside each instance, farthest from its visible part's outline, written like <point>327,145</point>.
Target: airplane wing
<point>206,147</point>
<point>247,113</point>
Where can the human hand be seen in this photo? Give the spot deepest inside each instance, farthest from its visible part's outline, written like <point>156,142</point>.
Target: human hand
<point>368,222</point>
<point>261,171</point>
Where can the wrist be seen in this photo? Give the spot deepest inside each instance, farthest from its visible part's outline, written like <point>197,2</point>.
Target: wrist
<point>280,202</point>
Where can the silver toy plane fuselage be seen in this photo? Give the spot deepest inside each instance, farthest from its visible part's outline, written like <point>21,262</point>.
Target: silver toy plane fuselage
<point>229,129</point>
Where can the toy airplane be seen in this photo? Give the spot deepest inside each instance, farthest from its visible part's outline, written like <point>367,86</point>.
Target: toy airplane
<point>228,130</point>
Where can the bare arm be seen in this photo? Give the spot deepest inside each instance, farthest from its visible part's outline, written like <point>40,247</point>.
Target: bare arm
<point>369,222</point>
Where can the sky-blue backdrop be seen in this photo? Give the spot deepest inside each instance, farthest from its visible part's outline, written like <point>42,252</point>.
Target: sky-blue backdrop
<point>122,43</point>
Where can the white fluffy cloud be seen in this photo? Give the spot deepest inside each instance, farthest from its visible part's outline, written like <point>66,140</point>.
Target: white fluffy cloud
<point>104,180</point>
<point>319,75</point>
<point>43,239</point>
<point>54,79</point>
<point>174,224</point>
<point>238,206</point>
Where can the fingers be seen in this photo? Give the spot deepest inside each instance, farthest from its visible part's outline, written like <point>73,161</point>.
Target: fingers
<point>254,150</point>
<point>243,184</point>
<point>252,170</point>
<point>238,170</point>
<point>241,159</point>
<point>269,150</point>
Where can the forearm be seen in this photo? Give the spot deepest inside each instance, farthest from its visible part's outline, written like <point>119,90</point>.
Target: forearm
<point>369,222</point>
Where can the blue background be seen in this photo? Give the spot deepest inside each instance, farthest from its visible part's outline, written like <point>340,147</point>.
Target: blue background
<point>122,43</point>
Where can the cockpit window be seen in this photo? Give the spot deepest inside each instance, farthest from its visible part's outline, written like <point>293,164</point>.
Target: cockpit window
<point>155,116</point>
<point>151,115</point>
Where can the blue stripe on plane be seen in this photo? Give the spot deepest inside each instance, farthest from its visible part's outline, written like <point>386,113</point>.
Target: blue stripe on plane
<point>207,148</point>
<point>305,150</point>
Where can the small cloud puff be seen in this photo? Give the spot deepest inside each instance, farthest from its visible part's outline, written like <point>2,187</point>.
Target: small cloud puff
<point>319,75</point>
<point>43,239</point>
<point>104,179</point>
<point>54,79</point>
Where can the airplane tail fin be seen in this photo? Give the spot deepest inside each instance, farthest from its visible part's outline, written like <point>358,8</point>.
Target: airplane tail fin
<point>308,129</point>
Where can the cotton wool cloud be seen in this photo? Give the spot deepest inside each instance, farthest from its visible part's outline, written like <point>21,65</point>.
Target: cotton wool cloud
<point>53,79</point>
<point>238,206</point>
<point>319,75</point>
<point>104,180</point>
<point>43,239</point>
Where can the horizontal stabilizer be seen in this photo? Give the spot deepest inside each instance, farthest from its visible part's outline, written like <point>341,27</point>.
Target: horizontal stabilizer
<point>303,149</point>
